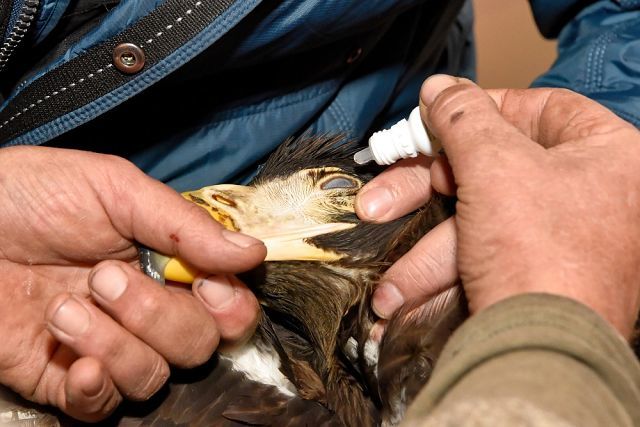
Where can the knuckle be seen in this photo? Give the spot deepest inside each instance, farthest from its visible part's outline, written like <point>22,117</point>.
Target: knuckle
<point>422,273</point>
<point>97,408</point>
<point>109,405</point>
<point>144,313</point>
<point>201,341</point>
<point>193,219</point>
<point>241,323</point>
<point>118,162</point>
<point>236,333</point>
<point>195,214</point>
<point>418,184</point>
<point>203,347</point>
<point>563,94</point>
<point>120,173</point>
<point>151,381</point>
<point>150,304</point>
<point>413,176</point>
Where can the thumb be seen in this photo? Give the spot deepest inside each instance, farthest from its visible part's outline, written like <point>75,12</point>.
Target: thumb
<point>145,210</point>
<point>469,125</point>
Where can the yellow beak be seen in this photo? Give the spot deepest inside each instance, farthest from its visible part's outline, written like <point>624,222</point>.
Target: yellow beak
<point>230,205</point>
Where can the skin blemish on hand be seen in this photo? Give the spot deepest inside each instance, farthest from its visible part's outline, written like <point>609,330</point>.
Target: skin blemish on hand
<point>174,237</point>
<point>456,116</point>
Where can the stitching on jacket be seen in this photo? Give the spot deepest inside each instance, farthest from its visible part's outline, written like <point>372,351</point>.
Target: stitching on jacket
<point>54,93</point>
<point>628,4</point>
<point>338,113</point>
<point>336,117</point>
<point>81,80</point>
<point>595,60</point>
<point>177,21</point>
<point>594,73</point>
<point>345,116</point>
<point>599,78</point>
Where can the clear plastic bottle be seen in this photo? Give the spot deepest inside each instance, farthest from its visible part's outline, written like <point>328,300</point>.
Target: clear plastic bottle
<point>405,139</point>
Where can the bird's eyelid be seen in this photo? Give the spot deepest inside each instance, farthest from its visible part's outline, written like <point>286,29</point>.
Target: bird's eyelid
<point>339,181</point>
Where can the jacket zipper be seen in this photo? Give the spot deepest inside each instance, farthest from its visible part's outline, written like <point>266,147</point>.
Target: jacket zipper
<point>20,28</point>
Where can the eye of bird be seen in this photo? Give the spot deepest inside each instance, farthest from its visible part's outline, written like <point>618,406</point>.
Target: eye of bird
<point>340,181</point>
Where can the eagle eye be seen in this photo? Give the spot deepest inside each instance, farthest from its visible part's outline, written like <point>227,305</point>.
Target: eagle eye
<point>339,182</point>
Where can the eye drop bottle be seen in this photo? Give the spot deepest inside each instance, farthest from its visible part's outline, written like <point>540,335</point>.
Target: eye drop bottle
<point>405,139</point>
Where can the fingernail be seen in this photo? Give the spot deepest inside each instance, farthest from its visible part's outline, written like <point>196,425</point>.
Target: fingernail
<point>109,282</point>
<point>386,300</point>
<point>216,291</point>
<point>434,85</point>
<point>377,331</point>
<point>71,317</point>
<point>375,203</point>
<point>240,239</point>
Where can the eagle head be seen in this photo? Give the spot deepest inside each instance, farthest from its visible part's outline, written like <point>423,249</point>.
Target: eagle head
<point>316,284</point>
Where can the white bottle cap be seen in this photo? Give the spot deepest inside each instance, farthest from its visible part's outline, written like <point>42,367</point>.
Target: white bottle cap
<point>405,139</point>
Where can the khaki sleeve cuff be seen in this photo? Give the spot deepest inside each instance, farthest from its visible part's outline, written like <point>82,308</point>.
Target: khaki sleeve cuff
<point>495,347</point>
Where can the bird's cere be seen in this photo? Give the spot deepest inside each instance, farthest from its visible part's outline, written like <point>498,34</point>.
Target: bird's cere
<point>405,139</point>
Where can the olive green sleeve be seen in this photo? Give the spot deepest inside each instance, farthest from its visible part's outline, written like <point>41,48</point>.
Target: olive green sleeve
<point>533,359</point>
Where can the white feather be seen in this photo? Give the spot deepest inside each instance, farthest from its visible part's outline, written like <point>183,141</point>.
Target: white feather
<point>261,365</point>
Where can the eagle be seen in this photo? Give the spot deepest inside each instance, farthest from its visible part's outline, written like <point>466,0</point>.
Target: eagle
<point>319,356</point>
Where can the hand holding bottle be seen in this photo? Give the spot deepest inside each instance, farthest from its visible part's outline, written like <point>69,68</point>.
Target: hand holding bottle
<point>548,201</point>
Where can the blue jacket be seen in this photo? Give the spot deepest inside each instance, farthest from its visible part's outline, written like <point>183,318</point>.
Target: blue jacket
<point>242,76</point>
<point>598,50</point>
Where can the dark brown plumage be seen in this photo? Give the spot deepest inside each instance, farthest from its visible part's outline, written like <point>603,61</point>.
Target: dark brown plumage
<point>316,319</point>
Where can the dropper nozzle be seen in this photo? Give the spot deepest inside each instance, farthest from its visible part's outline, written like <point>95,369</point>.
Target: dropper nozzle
<point>363,156</point>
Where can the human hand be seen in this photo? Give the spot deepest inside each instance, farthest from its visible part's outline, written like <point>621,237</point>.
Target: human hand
<point>548,196</point>
<point>80,334</point>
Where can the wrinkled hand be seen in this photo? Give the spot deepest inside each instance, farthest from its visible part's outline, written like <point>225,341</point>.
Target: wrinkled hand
<point>548,200</point>
<point>80,334</point>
